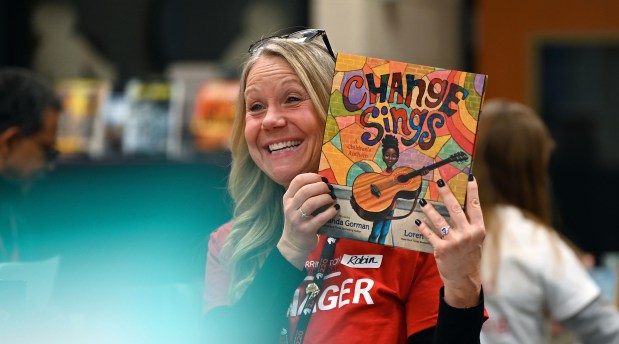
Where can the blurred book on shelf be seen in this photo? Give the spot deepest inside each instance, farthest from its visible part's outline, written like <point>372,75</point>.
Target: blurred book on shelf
<point>187,77</point>
<point>214,111</point>
<point>81,127</point>
<point>146,126</point>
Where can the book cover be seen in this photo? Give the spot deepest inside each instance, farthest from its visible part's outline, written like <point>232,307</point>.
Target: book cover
<point>145,130</point>
<point>393,129</point>
<point>80,126</point>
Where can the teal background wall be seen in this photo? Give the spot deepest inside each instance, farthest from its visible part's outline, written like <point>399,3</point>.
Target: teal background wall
<point>132,236</point>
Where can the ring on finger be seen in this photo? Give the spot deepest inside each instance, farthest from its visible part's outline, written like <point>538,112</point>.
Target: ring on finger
<point>303,214</point>
<point>445,230</point>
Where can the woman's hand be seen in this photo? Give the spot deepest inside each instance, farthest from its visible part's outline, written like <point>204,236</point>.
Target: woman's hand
<point>457,249</point>
<point>308,205</point>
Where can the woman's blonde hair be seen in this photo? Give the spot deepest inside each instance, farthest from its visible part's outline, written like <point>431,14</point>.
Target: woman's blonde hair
<point>511,166</point>
<point>258,212</point>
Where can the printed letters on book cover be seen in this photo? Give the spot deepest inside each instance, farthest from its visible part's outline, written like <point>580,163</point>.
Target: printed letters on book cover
<point>393,130</point>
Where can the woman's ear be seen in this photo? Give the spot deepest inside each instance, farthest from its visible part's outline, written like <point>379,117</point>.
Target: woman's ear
<point>6,138</point>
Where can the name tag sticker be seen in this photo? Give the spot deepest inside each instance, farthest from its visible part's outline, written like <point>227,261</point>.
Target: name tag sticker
<point>371,261</point>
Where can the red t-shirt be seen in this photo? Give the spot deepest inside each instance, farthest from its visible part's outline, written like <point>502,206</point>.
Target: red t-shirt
<point>371,293</point>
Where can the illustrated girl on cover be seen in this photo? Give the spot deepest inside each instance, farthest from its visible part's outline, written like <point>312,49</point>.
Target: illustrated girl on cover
<point>391,154</point>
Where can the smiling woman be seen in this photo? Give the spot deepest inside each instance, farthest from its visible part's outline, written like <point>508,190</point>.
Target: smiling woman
<point>268,272</point>
<point>281,121</point>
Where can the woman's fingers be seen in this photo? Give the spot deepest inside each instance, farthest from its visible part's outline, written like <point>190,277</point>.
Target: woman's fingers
<point>473,207</point>
<point>433,215</point>
<point>325,214</point>
<point>316,198</point>
<point>308,205</point>
<point>309,202</point>
<point>458,218</point>
<point>458,250</point>
<point>304,188</point>
<point>299,182</point>
<point>428,233</point>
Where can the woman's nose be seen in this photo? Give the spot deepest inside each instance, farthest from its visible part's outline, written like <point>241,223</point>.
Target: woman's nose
<point>273,118</point>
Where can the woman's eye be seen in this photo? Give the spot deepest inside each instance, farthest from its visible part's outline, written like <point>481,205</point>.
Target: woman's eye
<point>255,107</point>
<point>293,99</point>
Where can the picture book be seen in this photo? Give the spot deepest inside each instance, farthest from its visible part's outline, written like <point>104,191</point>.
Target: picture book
<point>393,129</point>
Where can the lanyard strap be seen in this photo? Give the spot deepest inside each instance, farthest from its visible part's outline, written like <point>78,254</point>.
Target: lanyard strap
<point>313,289</point>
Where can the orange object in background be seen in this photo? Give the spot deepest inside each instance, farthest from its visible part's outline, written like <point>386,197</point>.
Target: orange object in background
<point>215,107</point>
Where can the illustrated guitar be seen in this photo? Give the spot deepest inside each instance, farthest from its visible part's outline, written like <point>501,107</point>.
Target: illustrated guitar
<point>374,194</point>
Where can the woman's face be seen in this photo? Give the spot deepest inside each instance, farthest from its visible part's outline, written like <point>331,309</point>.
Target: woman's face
<point>283,130</point>
<point>390,157</point>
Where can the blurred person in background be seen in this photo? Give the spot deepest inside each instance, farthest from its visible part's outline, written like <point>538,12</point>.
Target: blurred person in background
<point>62,51</point>
<point>29,112</point>
<point>530,274</point>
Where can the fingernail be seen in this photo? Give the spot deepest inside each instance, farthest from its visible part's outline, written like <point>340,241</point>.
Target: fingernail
<point>336,206</point>
<point>324,179</point>
<point>330,187</point>
<point>440,183</point>
<point>422,202</point>
<point>332,195</point>
<point>418,222</point>
<point>471,177</point>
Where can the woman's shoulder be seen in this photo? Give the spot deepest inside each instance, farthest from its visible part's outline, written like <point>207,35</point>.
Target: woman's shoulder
<point>515,221</point>
<point>524,234</point>
<point>508,213</point>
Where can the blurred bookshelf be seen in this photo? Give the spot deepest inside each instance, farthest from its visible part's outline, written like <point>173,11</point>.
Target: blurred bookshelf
<point>141,172</point>
<point>182,116</point>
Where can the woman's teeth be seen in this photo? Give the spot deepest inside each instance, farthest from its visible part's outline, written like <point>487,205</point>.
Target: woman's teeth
<point>282,146</point>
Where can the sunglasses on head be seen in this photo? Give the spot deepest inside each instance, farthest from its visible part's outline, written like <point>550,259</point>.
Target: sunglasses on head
<point>299,36</point>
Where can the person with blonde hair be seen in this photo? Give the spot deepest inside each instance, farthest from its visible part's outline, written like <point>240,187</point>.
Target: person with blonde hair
<point>529,272</point>
<point>270,277</point>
